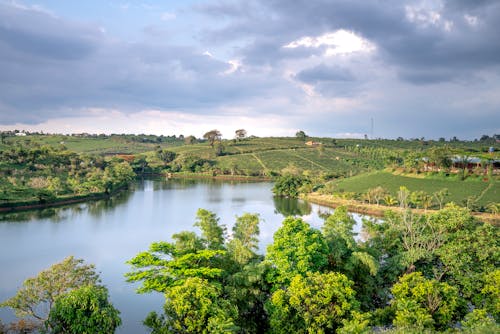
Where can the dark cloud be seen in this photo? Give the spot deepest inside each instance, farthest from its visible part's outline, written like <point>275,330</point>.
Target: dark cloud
<point>447,44</point>
<point>323,72</point>
<point>54,68</point>
<point>41,35</point>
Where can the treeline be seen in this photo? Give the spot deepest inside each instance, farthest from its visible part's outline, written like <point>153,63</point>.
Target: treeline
<point>407,274</point>
<point>42,174</point>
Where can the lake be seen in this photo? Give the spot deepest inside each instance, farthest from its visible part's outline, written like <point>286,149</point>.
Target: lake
<point>109,232</point>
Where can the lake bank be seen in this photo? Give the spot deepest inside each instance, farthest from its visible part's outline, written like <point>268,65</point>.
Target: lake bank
<point>378,210</point>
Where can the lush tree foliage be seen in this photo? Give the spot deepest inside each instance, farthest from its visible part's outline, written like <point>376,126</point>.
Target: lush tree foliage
<point>314,303</point>
<point>289,185</point>
<point>83,310</point>
<point>37,295</point>
<point>296,250</point>
<point>423,303</point>
<point>65,298</point>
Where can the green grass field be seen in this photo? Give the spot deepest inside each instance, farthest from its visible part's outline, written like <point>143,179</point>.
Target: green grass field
<point>458,190</point>
<point>97,145</point>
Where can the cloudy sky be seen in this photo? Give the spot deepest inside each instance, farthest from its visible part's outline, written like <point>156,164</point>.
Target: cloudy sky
<point>416,68</point>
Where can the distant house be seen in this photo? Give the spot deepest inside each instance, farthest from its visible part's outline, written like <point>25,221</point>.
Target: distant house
<point>20,134</point>
<point>313,143</point>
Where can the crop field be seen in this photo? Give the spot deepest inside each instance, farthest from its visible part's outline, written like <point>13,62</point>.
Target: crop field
<point>458,190</point>
<point>88,145</point>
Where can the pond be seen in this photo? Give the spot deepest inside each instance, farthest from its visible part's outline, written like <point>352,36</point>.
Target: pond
<point>109,232</point>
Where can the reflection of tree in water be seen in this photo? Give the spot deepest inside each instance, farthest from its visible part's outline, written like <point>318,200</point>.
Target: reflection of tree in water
<point>97,208</point>
<point>291,206</point>
<point>57,214</point>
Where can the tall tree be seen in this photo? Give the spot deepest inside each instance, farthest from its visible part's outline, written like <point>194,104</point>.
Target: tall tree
<point>240,133</point>
<point>212,136</point>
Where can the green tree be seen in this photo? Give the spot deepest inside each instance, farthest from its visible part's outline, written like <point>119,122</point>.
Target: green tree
<point>301,135</point>
<point>289,185</point>
<point>166,156</point>
<point>315,303</point>
<point>440,196</point>
<point>195,306</point>
<point>211,231</point>
<point>491,294</point>
<point>297,249</point>
<point>38,294</point>
<point>423,303</point>
<point>83,310</point>
<point>245,240</point>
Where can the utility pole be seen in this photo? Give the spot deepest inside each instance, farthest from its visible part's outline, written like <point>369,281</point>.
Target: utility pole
<point>371,132</point>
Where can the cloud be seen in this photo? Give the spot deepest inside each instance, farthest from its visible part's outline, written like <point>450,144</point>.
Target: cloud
<point>323,72</point>
<point>325,66</point>
<point>338,42</point>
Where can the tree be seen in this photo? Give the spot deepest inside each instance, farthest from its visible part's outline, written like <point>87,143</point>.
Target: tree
<point>423,303</point>
<point>194,306</point>
<point>241,134</point>
<point>244,243</point>
<point>314,303</point>
<point>212,233</point>
<point>38,294</point>
<point>165,155</point>
<point>301,135</point>
<point>440,196</point>
<point>289,185</point>
<point>212,136</point>
<point>297,249</point>
<point>376,194</point>
<point>189,140</point>
<point>403,196</point>
<point>83,310</point>
<point>219,149</point>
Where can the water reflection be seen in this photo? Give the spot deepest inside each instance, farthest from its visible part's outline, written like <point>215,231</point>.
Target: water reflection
<point>291,206</point>
<point>57,214</point>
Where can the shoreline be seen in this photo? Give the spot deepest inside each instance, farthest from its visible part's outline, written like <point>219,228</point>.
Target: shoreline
<point>379,210</point>
<point>36,205</point>
<point>25,206</point>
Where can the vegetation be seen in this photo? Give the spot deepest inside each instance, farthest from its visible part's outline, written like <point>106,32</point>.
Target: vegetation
<point>42,174</point>
<point>65,298</point>
<point>413,274</point>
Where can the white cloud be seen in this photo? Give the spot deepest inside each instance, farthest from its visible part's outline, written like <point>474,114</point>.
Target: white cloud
<point>425,17</point>
<point>152,121</point>
<point>235,66</point>
<point>338,42</point>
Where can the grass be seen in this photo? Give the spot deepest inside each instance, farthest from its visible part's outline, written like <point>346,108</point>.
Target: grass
<point>97,145</point>
<point>458,190</point>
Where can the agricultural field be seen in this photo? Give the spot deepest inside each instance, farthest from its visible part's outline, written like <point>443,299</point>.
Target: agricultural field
<point>91,145</point>
<point>484,192</point>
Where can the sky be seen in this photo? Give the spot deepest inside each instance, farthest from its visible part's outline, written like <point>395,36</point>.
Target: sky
<point>333,68</point>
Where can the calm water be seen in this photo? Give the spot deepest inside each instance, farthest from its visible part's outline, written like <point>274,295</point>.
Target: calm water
<point>110,232</point>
